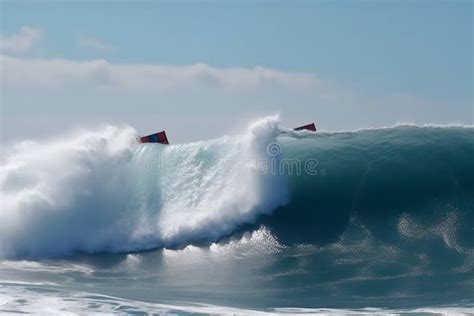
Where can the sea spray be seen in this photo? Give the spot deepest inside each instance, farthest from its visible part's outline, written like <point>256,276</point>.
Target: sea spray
<point>102,191</point>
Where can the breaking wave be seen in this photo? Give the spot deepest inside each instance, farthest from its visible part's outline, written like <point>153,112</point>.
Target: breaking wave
<point>100,191</point>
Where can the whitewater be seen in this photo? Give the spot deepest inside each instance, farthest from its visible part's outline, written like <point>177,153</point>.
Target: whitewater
<point>105,192</point>
<point>268,221</point>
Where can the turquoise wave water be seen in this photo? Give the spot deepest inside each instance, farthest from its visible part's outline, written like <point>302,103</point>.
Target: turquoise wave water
<point>378,177</point>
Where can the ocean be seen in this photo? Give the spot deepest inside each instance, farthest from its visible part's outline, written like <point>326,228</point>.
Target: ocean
<point>271,221</point>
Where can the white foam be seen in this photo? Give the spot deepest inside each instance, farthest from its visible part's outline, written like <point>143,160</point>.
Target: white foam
<point>446,229</point>
<point>56,266</point>
<point>101,191</point>
<point>394,126</point>
<point>18,299</point>
<point>259,244</point>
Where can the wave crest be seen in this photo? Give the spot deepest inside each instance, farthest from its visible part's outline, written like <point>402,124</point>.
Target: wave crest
<point>98,191</point>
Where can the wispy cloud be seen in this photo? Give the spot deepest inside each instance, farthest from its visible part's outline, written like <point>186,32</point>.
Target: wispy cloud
<point>60,72</point>
<point>22,41</point>
<point>92,43</point>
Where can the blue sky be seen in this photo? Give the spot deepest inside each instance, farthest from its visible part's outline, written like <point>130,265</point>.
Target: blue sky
<point>369,63</point>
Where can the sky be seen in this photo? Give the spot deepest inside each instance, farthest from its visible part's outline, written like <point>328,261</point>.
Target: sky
<point>202,69</point>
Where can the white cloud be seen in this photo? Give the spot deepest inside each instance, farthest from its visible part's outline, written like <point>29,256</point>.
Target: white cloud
<point>94,44</point>
<point>63,72</point>
<point>22,41</point>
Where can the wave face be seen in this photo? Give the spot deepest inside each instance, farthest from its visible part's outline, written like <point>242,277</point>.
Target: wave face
<point>404,181</point>
<point>100,191</point>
